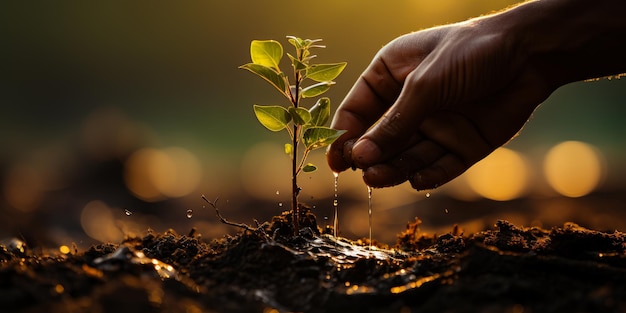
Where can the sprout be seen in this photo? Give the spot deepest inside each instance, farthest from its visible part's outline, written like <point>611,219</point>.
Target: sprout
<point>305,126</point>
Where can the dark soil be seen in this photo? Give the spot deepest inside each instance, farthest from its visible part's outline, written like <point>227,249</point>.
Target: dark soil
<point>265,269</point>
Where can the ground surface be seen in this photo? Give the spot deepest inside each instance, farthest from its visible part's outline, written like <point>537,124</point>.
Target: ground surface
<point>504,269</point>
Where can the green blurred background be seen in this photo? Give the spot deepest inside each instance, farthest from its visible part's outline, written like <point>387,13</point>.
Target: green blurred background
<point>85,85</point>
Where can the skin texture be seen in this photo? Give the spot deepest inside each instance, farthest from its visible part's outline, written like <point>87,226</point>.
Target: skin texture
<point>434,102</point>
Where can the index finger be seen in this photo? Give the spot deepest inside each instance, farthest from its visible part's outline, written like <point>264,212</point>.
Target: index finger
<point>370,97</point>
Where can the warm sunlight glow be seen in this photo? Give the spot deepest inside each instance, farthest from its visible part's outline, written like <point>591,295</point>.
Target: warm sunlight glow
<point>501,176</point>
<point>98,222</point>
<point>23,187</point>
<point>573,168</point>
<point>153,174</point>
<point>265,169</point>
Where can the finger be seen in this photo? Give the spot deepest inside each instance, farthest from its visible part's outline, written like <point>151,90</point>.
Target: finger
<point>449,134</point>
<point>462,142</point>
<point>368,99</point>
<point>442,171</point>
<point>401,168</point>
<point>478,132</point>
<point>390,134</point>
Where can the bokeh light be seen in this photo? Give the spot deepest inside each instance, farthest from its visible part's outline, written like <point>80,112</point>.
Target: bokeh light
<point>155,174</point>
<point>265,169</point>
<point>99,223</point>
<point>503,175</point>
<point>573,168</point>
<point>23,187</point>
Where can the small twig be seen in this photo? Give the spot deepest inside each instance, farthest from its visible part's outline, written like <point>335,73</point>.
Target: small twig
<point>225,221</point>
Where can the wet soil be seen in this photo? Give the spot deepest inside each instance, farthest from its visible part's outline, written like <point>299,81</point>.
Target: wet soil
<point>266,269</point>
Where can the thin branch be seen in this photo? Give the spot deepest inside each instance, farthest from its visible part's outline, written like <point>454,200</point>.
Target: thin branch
<point>225,221</point>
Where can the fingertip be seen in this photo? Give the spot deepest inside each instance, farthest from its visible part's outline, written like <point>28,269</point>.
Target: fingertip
<point>383,175</point>
<point>427,179</point>
<point>335,160</point>
<point>338,155</point>
<point>365,153</point>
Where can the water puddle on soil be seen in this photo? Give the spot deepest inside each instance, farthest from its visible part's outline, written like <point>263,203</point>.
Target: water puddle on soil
<point>345,255</point>
<point>125,255</point>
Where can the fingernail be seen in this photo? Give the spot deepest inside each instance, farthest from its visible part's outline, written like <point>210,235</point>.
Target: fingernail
<point>365,153</point>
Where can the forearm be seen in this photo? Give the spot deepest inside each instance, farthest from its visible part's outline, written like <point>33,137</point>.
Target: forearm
<point>569,40</point>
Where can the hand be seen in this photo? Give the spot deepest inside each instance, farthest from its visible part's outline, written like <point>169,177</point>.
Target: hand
<point>448,96</point>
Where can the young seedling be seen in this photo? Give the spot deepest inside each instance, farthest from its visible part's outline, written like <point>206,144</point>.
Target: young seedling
<point>305,126</point>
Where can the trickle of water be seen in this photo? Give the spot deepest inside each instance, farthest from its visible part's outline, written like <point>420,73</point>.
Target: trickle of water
<point>128,212</point>
<point>189,213</point>
<point>369,211</point>
<point>336,205</point>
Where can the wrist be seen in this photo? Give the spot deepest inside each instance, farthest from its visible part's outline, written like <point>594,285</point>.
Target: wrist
<point>568,40</point>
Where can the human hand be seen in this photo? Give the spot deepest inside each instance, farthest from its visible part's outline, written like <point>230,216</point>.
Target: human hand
<point>434,102</point>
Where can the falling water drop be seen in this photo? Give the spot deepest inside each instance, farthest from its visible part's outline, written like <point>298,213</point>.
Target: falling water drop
<point>280,204</point>
<point>128,212</point>
<point>189,213</point>
<point>336,205</point>
<point>277,192</point>
<point>369,211</point>
<point>428,195</point>
<point>446,210</point>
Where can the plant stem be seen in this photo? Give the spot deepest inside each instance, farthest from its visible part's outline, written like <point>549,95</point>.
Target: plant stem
<point>295,190</point>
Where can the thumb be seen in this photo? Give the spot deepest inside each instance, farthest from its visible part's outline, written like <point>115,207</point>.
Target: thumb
<point>393,133</point>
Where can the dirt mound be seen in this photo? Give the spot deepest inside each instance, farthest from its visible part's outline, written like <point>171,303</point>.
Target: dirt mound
<point>506,269</point>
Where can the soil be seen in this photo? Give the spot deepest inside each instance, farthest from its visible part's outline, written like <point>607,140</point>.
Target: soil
<point>264,268</point>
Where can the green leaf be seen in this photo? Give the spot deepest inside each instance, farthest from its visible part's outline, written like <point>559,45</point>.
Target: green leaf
<point>300,116</point>
<point>310,167</point>
<point>288,149</point>
<point>297,65</point>
<point>276,79</point>
<point>316,90</point>
<point>273,117</point>
<point>319,137</point>
<point>267,53</point>
<point>320,112</point>
<point>296,42</point>
<point>325,72</point>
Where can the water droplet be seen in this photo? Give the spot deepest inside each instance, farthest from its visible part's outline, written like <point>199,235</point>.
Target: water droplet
<point>128,212</point>
<point>428,195</point>
<point>446,210</point>
<point>189,213</point>
<point>369,211</point>
<point>336,205</point>
<point>280,204</point>
<point>277,192</point>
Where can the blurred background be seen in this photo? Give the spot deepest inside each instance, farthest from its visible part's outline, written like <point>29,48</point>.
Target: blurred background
<point>117,116</point>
